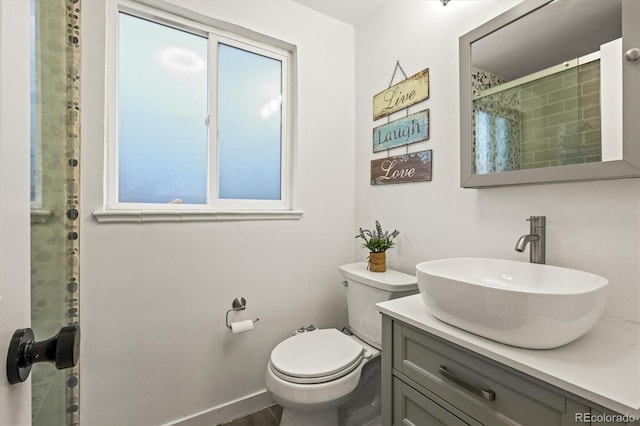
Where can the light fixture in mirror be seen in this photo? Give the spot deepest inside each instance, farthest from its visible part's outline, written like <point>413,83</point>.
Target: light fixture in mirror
<point>541,91</point>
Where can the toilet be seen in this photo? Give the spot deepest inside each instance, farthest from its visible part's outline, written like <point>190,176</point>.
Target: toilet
<point>326,377</point>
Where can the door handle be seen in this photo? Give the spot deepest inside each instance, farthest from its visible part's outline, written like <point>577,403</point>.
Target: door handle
<point>62,350</point>
<point>632,55</point>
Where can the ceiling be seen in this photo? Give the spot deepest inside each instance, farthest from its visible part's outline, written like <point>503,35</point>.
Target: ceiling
<point>580,26</point>
<point>349,11</point>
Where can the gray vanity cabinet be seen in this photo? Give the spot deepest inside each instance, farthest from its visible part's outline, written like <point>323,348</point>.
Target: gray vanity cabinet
<point>429,381</point>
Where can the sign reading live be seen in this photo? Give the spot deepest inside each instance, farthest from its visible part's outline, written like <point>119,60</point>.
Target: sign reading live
<point>413,167</point>
<point>402,95</point>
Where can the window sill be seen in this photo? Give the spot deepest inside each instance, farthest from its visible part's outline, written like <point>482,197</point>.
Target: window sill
<point>155,216</point>
<point>40,215</point>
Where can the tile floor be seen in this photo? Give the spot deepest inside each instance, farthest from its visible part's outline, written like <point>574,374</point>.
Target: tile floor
<point>269,416</point>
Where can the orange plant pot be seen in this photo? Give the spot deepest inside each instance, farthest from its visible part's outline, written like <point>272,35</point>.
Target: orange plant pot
<point>378,262</point>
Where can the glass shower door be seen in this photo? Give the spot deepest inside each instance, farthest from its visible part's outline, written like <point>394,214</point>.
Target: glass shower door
<point>55,143</point>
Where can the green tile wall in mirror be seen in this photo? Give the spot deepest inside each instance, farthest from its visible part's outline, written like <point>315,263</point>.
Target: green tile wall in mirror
<point>546,94</point>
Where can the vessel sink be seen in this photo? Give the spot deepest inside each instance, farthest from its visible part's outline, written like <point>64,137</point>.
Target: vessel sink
<point>522,304</point>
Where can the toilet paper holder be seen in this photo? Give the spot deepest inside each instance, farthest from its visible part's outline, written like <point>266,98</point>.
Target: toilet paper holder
<point>238,304</point>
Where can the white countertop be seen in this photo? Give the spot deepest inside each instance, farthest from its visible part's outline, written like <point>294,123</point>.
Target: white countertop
<point>602,366</point>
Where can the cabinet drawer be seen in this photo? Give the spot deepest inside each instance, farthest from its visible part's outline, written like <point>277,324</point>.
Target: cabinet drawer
<point>486,392</point>
<point>410,407</point>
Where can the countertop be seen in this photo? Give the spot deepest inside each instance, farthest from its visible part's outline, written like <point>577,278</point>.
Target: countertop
<point>602,366</point>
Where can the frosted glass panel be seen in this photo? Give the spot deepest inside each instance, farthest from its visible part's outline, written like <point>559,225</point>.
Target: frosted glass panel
<point>35,172</point>
<point>162,107</point>
<point>249,125</point>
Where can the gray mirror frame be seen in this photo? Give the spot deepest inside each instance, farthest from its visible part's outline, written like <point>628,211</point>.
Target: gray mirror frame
<point>628,167</point>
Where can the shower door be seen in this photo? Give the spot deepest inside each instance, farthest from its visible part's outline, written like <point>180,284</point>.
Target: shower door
<point>55,143</point>
<point>39,112</point>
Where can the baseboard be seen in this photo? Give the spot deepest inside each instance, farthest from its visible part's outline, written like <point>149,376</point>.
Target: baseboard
<point>228,411</point>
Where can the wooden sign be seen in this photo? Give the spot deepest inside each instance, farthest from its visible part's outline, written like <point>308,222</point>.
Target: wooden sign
<point>402,95</point>
<point>404,131</point>
<point>414,167</point>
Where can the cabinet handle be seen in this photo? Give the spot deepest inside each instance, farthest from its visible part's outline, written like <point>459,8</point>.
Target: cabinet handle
<point>487,394</point>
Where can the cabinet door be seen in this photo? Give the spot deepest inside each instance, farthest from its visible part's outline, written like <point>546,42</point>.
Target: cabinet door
<point>412,408</point>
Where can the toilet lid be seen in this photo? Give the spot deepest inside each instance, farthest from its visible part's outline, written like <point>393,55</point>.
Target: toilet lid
<point>316,356</point>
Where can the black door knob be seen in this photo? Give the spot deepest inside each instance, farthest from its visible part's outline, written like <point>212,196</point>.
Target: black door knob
<point>62,350</point>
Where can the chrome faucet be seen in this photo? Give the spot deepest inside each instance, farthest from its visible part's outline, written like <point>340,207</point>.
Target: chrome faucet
<point>536,237</point>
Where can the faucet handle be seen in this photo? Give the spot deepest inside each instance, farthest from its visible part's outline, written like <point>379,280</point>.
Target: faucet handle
<point>537,220</point>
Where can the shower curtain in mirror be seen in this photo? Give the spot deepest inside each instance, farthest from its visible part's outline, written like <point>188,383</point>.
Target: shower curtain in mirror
<point>496,125</point>
<point>55,191</point>
<point>496,131</point>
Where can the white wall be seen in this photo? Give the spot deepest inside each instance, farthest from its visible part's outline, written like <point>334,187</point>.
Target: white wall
<point>592,226</point>
<point>154,296</point>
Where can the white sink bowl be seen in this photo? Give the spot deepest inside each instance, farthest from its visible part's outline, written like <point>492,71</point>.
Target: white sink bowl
<point>521,304</point>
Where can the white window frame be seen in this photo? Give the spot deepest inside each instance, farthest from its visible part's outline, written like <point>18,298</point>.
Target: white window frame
<point>216,208</point>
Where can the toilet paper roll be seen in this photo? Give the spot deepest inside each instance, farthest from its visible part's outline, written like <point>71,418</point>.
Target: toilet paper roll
<point>241,326</point>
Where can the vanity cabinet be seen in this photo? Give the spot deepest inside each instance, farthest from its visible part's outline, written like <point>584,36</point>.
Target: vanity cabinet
<point>429,381</point>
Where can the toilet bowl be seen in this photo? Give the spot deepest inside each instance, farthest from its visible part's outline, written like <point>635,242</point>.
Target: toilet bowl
<point>317,376</point>
<point>317,370</point>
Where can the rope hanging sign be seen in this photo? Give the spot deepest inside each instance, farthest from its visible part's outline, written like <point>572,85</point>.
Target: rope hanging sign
<point>401,95</point>
<point>410,167</point>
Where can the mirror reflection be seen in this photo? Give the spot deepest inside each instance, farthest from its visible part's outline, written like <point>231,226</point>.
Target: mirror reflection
<point>554,97</point>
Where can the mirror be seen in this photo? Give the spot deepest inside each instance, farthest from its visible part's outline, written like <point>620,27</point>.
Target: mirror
<point>546,94</point>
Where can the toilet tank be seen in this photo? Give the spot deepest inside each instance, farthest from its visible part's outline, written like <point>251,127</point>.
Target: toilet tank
<point>365,289</point>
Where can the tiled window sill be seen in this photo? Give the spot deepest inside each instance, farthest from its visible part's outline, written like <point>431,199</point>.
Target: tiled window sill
<point>40,216</point>
<point>154,216</point>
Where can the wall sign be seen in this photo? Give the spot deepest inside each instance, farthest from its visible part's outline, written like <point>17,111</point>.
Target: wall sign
<point>404,131</point>
<point>413,167</point>
<point>402,95</point>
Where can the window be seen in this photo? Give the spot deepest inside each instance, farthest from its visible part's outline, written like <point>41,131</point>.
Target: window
<point>36,158</point>
<point>162,137</point>
<point>199,118</point>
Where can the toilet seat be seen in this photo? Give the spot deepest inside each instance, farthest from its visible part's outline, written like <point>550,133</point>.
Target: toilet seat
<point>316,357</point>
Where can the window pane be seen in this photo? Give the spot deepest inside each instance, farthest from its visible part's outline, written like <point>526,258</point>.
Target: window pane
<point>162,107</point>
<point>249,125</point>
<point>35,169</point>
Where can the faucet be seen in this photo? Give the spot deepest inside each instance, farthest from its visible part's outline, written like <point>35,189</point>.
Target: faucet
<point>536,237</point>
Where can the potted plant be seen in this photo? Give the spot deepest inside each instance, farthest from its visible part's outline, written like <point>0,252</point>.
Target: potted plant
<point>378,242</point>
